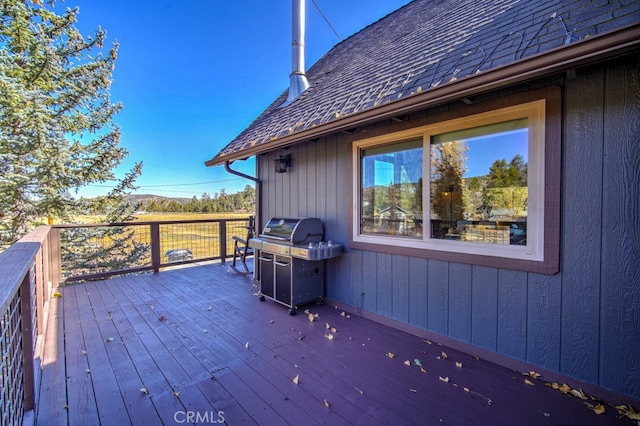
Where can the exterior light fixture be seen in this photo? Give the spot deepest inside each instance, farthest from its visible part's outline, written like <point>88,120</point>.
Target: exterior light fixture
<point>283,162</point>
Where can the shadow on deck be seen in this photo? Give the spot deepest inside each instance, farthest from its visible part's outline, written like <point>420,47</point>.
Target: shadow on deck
<point>194,345</point>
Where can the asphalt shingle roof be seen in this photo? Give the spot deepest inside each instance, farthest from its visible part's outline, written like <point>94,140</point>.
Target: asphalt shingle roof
<point>426,44</point>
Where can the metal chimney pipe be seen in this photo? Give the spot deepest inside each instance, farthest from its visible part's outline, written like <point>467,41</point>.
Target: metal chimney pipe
<point>298,82</point>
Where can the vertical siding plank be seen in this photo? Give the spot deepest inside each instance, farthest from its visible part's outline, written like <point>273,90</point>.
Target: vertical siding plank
<point>438,296</point>
<point>400,284</point>
<point>484,307</point>
<point>369,275</point>
<point>294,181</point>
<point>460,301</point>
<point>543,321</point>
<point>321,178</point>
<point>385,283</point>
<point>312,166</point>
<point>356,278</point>
<point>512,313</point>
<point>620,304</point>
<point>418,286</point>
<point>581,223</point>
<point>302,174</point>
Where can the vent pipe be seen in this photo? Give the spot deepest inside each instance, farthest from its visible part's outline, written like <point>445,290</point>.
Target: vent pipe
<point>298,82</point>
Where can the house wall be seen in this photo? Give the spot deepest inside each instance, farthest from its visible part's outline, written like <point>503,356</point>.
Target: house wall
<point>583,322</point>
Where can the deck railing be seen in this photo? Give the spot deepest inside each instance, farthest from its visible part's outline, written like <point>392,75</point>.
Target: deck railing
<point>26,279</point>
<point>33,268</point>
<point>93,251</point>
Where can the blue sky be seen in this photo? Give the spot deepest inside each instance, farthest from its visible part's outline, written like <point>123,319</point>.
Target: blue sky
<point>193,74</point>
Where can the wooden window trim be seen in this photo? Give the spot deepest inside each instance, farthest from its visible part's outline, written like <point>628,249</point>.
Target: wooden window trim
<point>552,158</point>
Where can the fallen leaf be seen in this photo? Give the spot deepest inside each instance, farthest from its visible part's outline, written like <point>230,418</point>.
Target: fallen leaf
<point>300,337</point>
<point>466,389</point>
<point>296,379</point>
<point>57,294</point>
<point>246,345</point>
<point>84,352</point>
<point>329,336</point>
<point>459,364</point>
<point>598,409</point>
<point>176,394</point>
<point>628,412</point>
<point>326,404</point>
<point>578,393</point>
<point>564,388</point>
<point>533,374</point>
<point>152,307</point>
<point>334,330</point>
<point>144,390</point>
<point>205,330</point>
<point>307,311</point>
<point>109,339</point>
<point>444,379</point>
<point>529,382</point>
<point>317,315</point>
<point>344,314</point>
<point>389,354</point>
<point>327,326</point>
<point>87,370</point>
<point>444,355</point>
<point>209,308</point>
<point>417,362</point>
<point>413,390</point>
<point>407,362</point>
<point>360,391</point>
<point>161,317</point>
<point>311,318</point>
<point>422,370</point>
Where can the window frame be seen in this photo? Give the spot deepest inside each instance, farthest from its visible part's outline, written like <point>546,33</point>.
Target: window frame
<point>542,254</point>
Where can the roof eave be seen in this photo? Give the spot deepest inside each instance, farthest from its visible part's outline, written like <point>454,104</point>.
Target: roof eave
<point>584,52</point>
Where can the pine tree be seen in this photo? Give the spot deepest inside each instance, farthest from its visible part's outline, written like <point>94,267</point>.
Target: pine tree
<point>57,129</point>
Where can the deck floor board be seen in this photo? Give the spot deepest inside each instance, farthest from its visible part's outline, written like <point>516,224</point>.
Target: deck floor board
<point>195,341</point>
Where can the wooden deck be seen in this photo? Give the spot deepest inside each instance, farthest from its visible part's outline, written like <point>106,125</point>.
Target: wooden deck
<point>194,345</point>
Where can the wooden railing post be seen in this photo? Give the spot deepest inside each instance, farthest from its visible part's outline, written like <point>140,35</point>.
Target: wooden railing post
<point>223,240</point>
<point>27,340</point>
<point>155,247</point>
<point>55,256</point>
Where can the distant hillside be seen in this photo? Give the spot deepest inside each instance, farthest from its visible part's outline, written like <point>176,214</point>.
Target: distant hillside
<point>147,198</point>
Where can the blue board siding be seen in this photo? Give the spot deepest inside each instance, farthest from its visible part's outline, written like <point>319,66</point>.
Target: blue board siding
<point>484,307</point>
<point>584,321</point>
<point>620,301</point>
<point>418,285</point>
<point>581,225</point>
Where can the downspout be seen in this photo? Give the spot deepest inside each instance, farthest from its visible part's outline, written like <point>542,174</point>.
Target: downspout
<point>227,167</point>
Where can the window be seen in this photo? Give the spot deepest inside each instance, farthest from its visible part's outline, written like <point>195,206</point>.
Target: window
<point>472,185</point>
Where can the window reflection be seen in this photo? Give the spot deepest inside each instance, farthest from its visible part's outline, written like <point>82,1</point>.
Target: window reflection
<point>478,189</point>
<point>391,197</point>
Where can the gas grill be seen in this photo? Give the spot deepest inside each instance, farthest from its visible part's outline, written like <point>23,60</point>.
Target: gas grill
<point>292,257</point>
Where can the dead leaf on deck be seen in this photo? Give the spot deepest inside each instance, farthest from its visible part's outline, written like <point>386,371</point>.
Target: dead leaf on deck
<point>407,363</point>
<point>329,336</point>
<point>209,308</point>
<point>334,330</point>
<point>422,370</point>
<point>326,404</point>
<point>628,412</point>
<point>311,318</point>
<point>360,391</point>
<point>296,379</point>
<point>578,393</point>
<point>532,374</point>
<point>390,355</point>
<point>598,409</point>
<point>413,390</point>
<point>144,390</point>
<point>444,379</point>
<point>87,371</point>
<point>161,317</point>
<point>307,311</point>
<point>300,337</point>
<point>444,355</point>
<point>327,326</point>
<point>176,394</point>
<point>529,382</point>
<point>459,364</point>
<point>246,345</point>
<point>109,339</point>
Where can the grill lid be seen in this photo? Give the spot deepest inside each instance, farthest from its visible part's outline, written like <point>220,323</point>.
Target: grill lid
<point>294,231</point>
